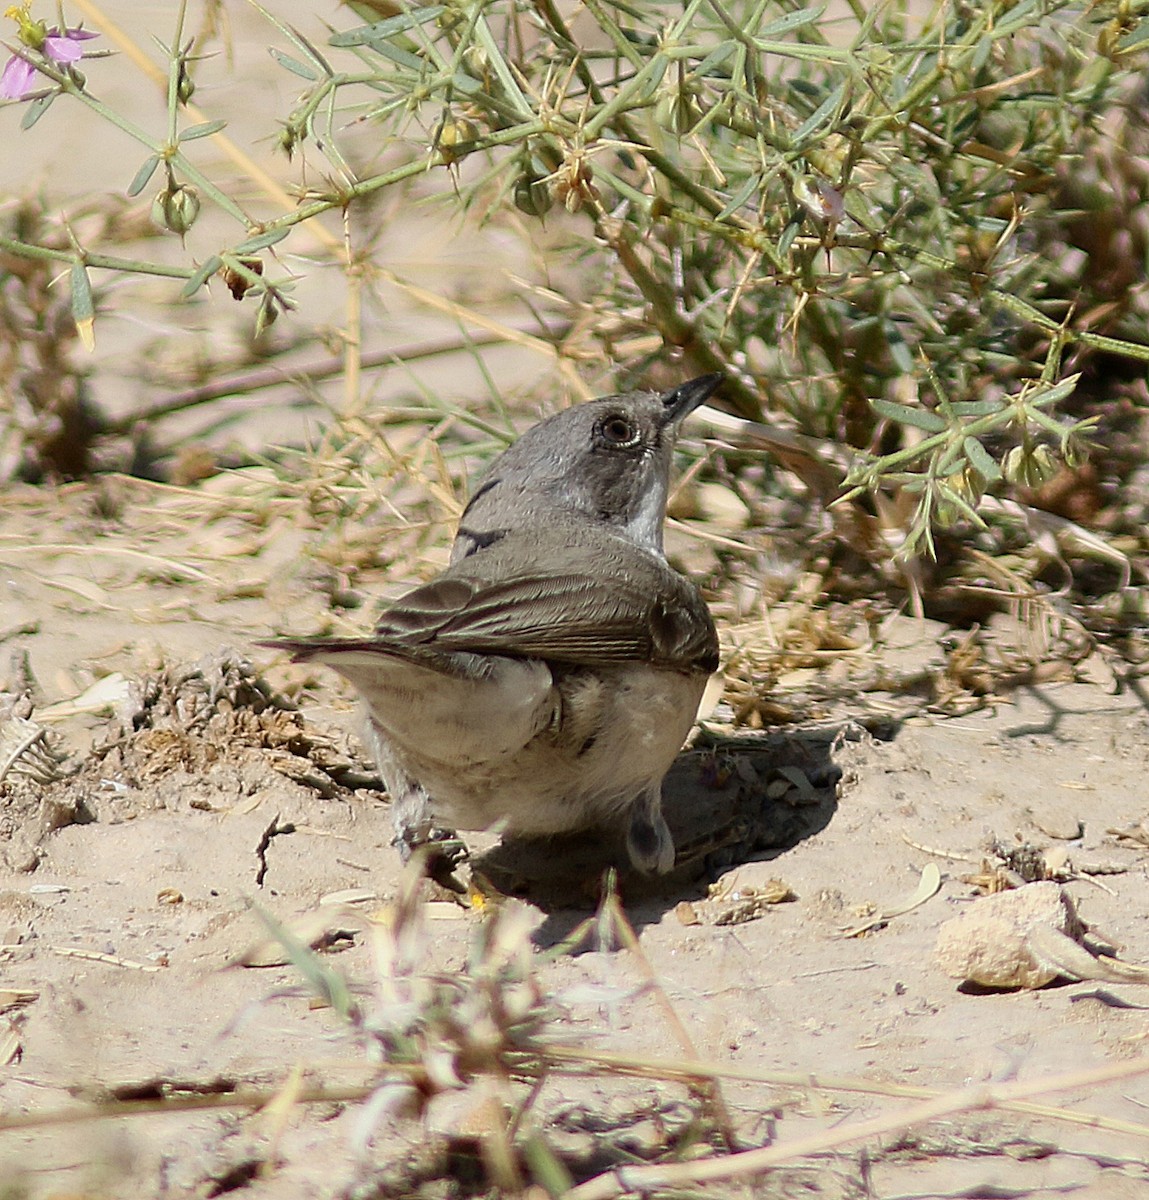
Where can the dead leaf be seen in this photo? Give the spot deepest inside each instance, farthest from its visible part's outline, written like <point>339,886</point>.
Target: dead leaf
<point>928,886</point>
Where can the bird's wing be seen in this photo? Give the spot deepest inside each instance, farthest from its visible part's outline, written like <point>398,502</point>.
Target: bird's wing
<point>605,605</point>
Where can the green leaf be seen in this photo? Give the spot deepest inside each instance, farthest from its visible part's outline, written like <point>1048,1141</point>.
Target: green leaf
<point>83,305</point>
<point>143,175</point>
<point>37,109</point>
<point>503,73</point>
<point>293,65</point>
<point>396,54</point>
<point>787,239</point>
<point>262,240</point>
<point>752,183</point>
<point>980,459</point>
<point>805,87</point>
<point>205,272</point>
<point>899,351</point>
<point>981,53</point>
<point>920,418</point>
<point>788,23</point>
<point>1058,428</point>
<point>302,44</point>
<point>822,115</point>
<point>1019,17</point>
<point>716,56</point>
<point>1136,39</point>
<point>326,982</point>
<point>1046,396</point>
<point>466,86</point>
<point>381,31</point>
<point>547,1169</point>
<point>976,408</point>
<point>198,131</point>
<point>950,495</point>
<point>265,315</point>
<point>637,37</point>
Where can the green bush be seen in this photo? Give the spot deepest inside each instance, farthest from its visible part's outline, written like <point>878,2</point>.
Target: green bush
<point>902,233</point>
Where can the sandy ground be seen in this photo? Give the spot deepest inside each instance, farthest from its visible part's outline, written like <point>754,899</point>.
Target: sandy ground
<point>126,892</point>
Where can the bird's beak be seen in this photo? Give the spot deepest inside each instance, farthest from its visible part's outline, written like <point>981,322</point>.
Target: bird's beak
<point>685,398</point>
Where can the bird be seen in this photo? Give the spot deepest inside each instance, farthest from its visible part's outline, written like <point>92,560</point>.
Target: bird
<point>546,680</point>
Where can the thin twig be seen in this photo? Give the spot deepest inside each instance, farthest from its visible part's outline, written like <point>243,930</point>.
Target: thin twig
<point>755,1162</point>
<point>711,1093</point>
<point>247,382</point>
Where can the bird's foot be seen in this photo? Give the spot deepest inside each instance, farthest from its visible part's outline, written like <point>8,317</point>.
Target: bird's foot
<point>649,843</point>
<point>442,852</point>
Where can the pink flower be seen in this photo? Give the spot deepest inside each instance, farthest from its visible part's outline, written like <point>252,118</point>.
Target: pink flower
<point>16,78</point>
<point>62,47</point>
<point>19,74</point>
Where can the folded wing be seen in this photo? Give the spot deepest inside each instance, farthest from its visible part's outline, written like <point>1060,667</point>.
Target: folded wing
<point>604,601</point>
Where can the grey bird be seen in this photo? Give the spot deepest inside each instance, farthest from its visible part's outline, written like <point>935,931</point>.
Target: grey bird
<point>545,682</point>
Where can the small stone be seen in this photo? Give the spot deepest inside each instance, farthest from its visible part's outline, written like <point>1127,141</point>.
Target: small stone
<point>989,943</point>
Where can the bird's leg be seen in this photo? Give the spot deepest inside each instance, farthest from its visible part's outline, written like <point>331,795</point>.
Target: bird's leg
<point>412,816</point>
<point>648,839</point>
<point>443,849</point>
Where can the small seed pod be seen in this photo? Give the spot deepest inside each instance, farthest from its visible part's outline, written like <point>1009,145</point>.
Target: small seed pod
<point>456,139</point>
<point>573,184</point>
<point>266,315</point>
<point>947,513</point>
<point>477,62</point>
<point>819,199</point>
<point>1029,466</point>
<point>450,18</point>
<point>287,140</point>
<point>1110,38</point>
<point>238,283</point>
<point>1074,452</point>
<point>678,110</point>
<point>532,194</point>
<point>185,85</point>
<point>970,485</point>
<point>176,208</point>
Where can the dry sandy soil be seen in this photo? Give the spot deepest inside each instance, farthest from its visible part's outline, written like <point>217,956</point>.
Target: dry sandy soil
<point>127,885</point>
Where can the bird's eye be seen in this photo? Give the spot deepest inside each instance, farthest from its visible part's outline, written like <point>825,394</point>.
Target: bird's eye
<point>618,431</point>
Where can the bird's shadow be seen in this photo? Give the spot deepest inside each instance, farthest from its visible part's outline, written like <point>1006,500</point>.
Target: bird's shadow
<point>727,801</point>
